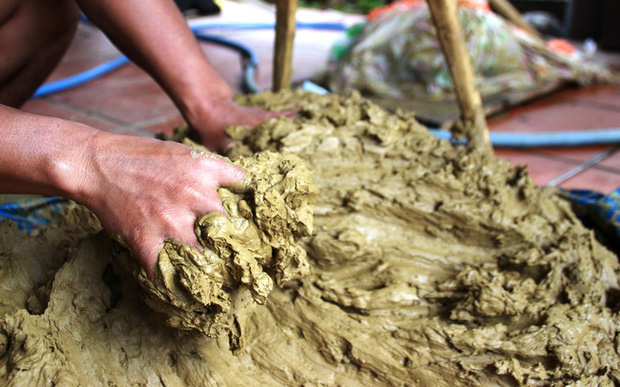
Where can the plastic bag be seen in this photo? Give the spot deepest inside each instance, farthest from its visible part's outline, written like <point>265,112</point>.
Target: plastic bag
<point>397,55</point>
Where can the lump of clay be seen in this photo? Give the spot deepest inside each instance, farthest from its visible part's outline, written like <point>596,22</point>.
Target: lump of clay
<point>244,252</point>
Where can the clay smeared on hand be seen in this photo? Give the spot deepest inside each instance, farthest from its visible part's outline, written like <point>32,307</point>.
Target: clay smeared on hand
<point>245,252</point>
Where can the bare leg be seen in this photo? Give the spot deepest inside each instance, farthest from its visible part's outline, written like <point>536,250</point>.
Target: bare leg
<point>34,35</point>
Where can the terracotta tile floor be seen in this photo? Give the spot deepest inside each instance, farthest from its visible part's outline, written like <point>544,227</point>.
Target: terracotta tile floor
<point>572,109</point>
<point>129,102</point>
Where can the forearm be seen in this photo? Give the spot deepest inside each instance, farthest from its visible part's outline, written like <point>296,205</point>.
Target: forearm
<point>42,155</point>
<point>154,34</point>
<point>139,187</point>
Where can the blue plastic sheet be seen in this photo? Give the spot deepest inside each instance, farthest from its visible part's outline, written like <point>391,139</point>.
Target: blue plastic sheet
<point>32,213</point>
<point>597,211</point>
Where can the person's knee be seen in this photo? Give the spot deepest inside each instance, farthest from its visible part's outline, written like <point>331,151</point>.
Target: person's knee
<point>43,22</point>
<point>34,35</point>
<point>69,16</point>
<point>63,21</point>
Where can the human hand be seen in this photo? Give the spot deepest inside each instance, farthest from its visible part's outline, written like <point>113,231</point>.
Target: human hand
<point>148,190</point>
<point>217,117</point>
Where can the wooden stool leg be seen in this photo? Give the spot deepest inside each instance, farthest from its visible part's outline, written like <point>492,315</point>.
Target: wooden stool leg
<point>510,13</point>
<point>283,49</point>
<point>450,33</point>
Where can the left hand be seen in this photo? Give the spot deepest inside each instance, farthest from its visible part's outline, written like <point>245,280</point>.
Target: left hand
<point>212,124</point>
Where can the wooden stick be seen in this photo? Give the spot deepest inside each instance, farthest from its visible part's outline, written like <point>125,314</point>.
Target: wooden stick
<point>510,13</point>
<point>473,122</point>
<point>283,49</point>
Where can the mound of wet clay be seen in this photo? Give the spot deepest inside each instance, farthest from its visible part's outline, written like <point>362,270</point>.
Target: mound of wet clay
<point>431,264</point>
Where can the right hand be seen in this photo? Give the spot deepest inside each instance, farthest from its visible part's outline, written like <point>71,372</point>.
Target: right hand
<point>148,190</point>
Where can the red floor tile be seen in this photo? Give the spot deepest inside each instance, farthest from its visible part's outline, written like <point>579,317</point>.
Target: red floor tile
<point>128,95</point>
<point>166,126</point>
<point>89,48</point>
<point>612,161</point>
<point>227,63</point>
<point>90,42</point>
<point>593,179</point>
<point>541,169</point>
<point>40,106</point>
<point>607,96</point>
<point>549,115</point>
<point>132,132</point>
<point>573,154</point>
<point>310,53</point>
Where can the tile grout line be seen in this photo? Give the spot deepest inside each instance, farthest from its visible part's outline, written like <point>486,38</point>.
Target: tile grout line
<point>140,131</point>
<point>120,126</point>
<point>157,121</point>
<point>86,112</point>
<point>570,160</point>
<point>582,167</point>
<point>607,169</point>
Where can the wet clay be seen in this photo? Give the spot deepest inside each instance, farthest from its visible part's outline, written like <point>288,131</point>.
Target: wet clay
<point>243,252</point>
<point>431,265</point>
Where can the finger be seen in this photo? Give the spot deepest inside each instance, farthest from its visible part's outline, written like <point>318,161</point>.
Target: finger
<point>146,247</point>
<point>183,231</point>
<point>214,204</point>
<point>228,143</point>
<point>230,174</point>
<point>292,114</point>
<point>223,171</point>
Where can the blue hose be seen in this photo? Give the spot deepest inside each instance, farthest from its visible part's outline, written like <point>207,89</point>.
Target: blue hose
<point>250,61</point>
<point>545,139</point>
<point>263,26</point>
<point>81,78</point>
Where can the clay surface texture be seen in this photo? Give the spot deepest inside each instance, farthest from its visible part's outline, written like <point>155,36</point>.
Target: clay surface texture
<point>423,264</point>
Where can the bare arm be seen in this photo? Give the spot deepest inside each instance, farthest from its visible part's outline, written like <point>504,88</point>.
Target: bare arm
<point>154,34</point>
<point>145,189</point>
